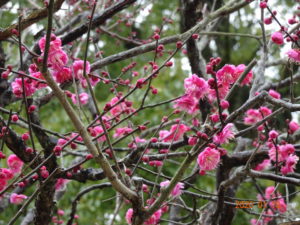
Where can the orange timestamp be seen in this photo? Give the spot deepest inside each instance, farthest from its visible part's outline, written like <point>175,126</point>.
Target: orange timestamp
<point>249,204</point>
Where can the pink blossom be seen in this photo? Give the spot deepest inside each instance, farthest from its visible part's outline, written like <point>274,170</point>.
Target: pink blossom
<point>61,183</point>
<point>192,140</point>
<point>293,126</point>
<point>188,104</point>
<point>63,75</point>
<point>37,84</point>
<point>57,59</point>
<point>18,89</point>
<point>208,159</point>
<point>255,222</point>
<point>176,132</point>
<point>99,130</point>
<point>279,205</point>
<point>15,164</point>
<point>283,151</point>
<point>263,166</point>
<point>273,134</point>
<point>78,71</point>
<point>225,135</point>
<point>277,38</point>
<point>274,94</point>
<point>265,111</point>
<point>55,43</point>
<point>226,75</point>
<point>122,131</point>
<point>290,164</point>
<point>120,108</point>
<point>17,199</point>
<point>3,184</point>
<point>223,90</point>
<point>129,215</point>
<point>6,174</point>
<point>270,192</point>
<point>176,190</point>
<point>153,220</point>
<point>294,55</point>
<point>83,98</point>
<point>195,86</point>
<point>239,70</point>
<point>252,116</point>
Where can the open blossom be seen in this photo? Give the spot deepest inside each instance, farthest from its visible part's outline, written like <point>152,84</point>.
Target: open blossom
<point>226,75</point>
<point>6,174</point>
<point>17,87</point>
<point>15,164</point>
<point>176,132</point>
<point>225,135</point>
<point>83,98</point>
<point>176,190</point>
<point>153,220</point>
<point>293,127</point>
<point>122,131</point>
<point>294,55</point>
<point>63,75</point>
<point>208,159</point>
<point>239,70</point>
<point>17,199</point>
<point>195,86</point>
<point>188,104</point>
<point>283,151</point>
<point>57,59</point>
<point>223,90</point>
<point>55,43</point>
<point>37,84</point>
<point>255,115</point>
<point>99,130</point>
<point>263,165</point>
<point>290,164</point>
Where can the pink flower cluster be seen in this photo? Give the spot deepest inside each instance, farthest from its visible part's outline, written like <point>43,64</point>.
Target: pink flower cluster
<point>255,115</point>
<point>14,167</point>
<point>294,55</point>
<point>57,63</point>
<point>153,220</point>
<point>285,154</point>
<point>277,205</point>
<point>196,88</point>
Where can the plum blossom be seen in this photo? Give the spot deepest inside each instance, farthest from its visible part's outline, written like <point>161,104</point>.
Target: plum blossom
<point>15,164</point>
<point>61,183</point>
<point>63,75</point>
<point>17,199</point>
<point>83,98</point>
<point>17,87</point>
<point>55,43</point>
<point>225,135</point>
<point>277,38</point>
<point>294,55</point>
<point>153,220</point>
<point>176,190</point>
<point>226,74</point>
<point>263,165</point>
<point>290,164</point>
<point>176,132</point>
<point>57,59</point>
<point>122,131</point>
<point>293,127</point>
<point>208,159</point>
<point>274,94</point>
<point>239,70</point>
<point>195,86</point>
<point>188,104</point>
